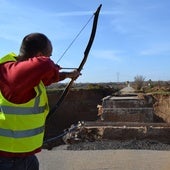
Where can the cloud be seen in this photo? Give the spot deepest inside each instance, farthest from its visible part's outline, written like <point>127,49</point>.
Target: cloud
<point>17,21</point>
<point>82,13</point>
<point>70,14</point>
<point>156,49</point>
<point>107,54</point>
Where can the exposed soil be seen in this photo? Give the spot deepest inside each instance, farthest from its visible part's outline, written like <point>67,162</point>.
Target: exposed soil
<point>162,107</point>
<point>79,105</point>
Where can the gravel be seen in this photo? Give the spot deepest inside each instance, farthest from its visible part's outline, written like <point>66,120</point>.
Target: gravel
<point>129,144</point>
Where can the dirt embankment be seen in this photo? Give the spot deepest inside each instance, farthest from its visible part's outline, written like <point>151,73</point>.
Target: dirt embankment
<point>162,107</point>
<point>79,105</point>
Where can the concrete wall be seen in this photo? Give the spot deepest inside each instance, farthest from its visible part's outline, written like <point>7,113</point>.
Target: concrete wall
<point>128,109</point>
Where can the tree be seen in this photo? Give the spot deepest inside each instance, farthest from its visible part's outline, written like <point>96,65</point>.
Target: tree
<point>139,81</point>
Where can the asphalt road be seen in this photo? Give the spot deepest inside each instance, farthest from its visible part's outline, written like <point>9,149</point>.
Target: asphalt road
<point>61,159</point>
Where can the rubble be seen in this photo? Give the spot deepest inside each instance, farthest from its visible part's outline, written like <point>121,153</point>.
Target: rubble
<point>119,144</point>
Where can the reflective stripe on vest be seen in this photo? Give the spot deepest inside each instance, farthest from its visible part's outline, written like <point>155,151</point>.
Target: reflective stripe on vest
<point>22,111</point>
<point>26,110</point>
<point>21,134</point>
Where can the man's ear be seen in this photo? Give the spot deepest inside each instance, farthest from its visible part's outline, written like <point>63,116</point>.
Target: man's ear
<point>39,54</point>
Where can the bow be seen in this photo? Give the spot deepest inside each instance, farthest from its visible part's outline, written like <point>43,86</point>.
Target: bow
<point>86,52</point>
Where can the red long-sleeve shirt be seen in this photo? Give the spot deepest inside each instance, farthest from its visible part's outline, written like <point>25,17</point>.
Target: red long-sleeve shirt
<point>18,79</point>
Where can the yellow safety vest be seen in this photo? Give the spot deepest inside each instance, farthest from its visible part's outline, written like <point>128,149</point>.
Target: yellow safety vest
<point>22,125</point>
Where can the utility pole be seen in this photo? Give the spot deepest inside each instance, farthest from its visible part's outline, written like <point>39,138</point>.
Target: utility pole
<point>117,74</point>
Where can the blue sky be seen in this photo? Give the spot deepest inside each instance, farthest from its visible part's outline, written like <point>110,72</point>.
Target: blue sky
<point>132,38</point>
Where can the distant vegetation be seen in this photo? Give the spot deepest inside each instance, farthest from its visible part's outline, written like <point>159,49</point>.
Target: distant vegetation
<point>139,84</point>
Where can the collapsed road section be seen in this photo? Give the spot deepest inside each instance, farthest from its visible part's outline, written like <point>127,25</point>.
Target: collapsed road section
<point>126,117</point>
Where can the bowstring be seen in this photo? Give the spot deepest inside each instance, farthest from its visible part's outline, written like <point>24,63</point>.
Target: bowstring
<point>74,39</point>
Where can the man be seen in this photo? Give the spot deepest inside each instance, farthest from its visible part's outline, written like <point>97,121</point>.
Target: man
<point>23,101</point>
